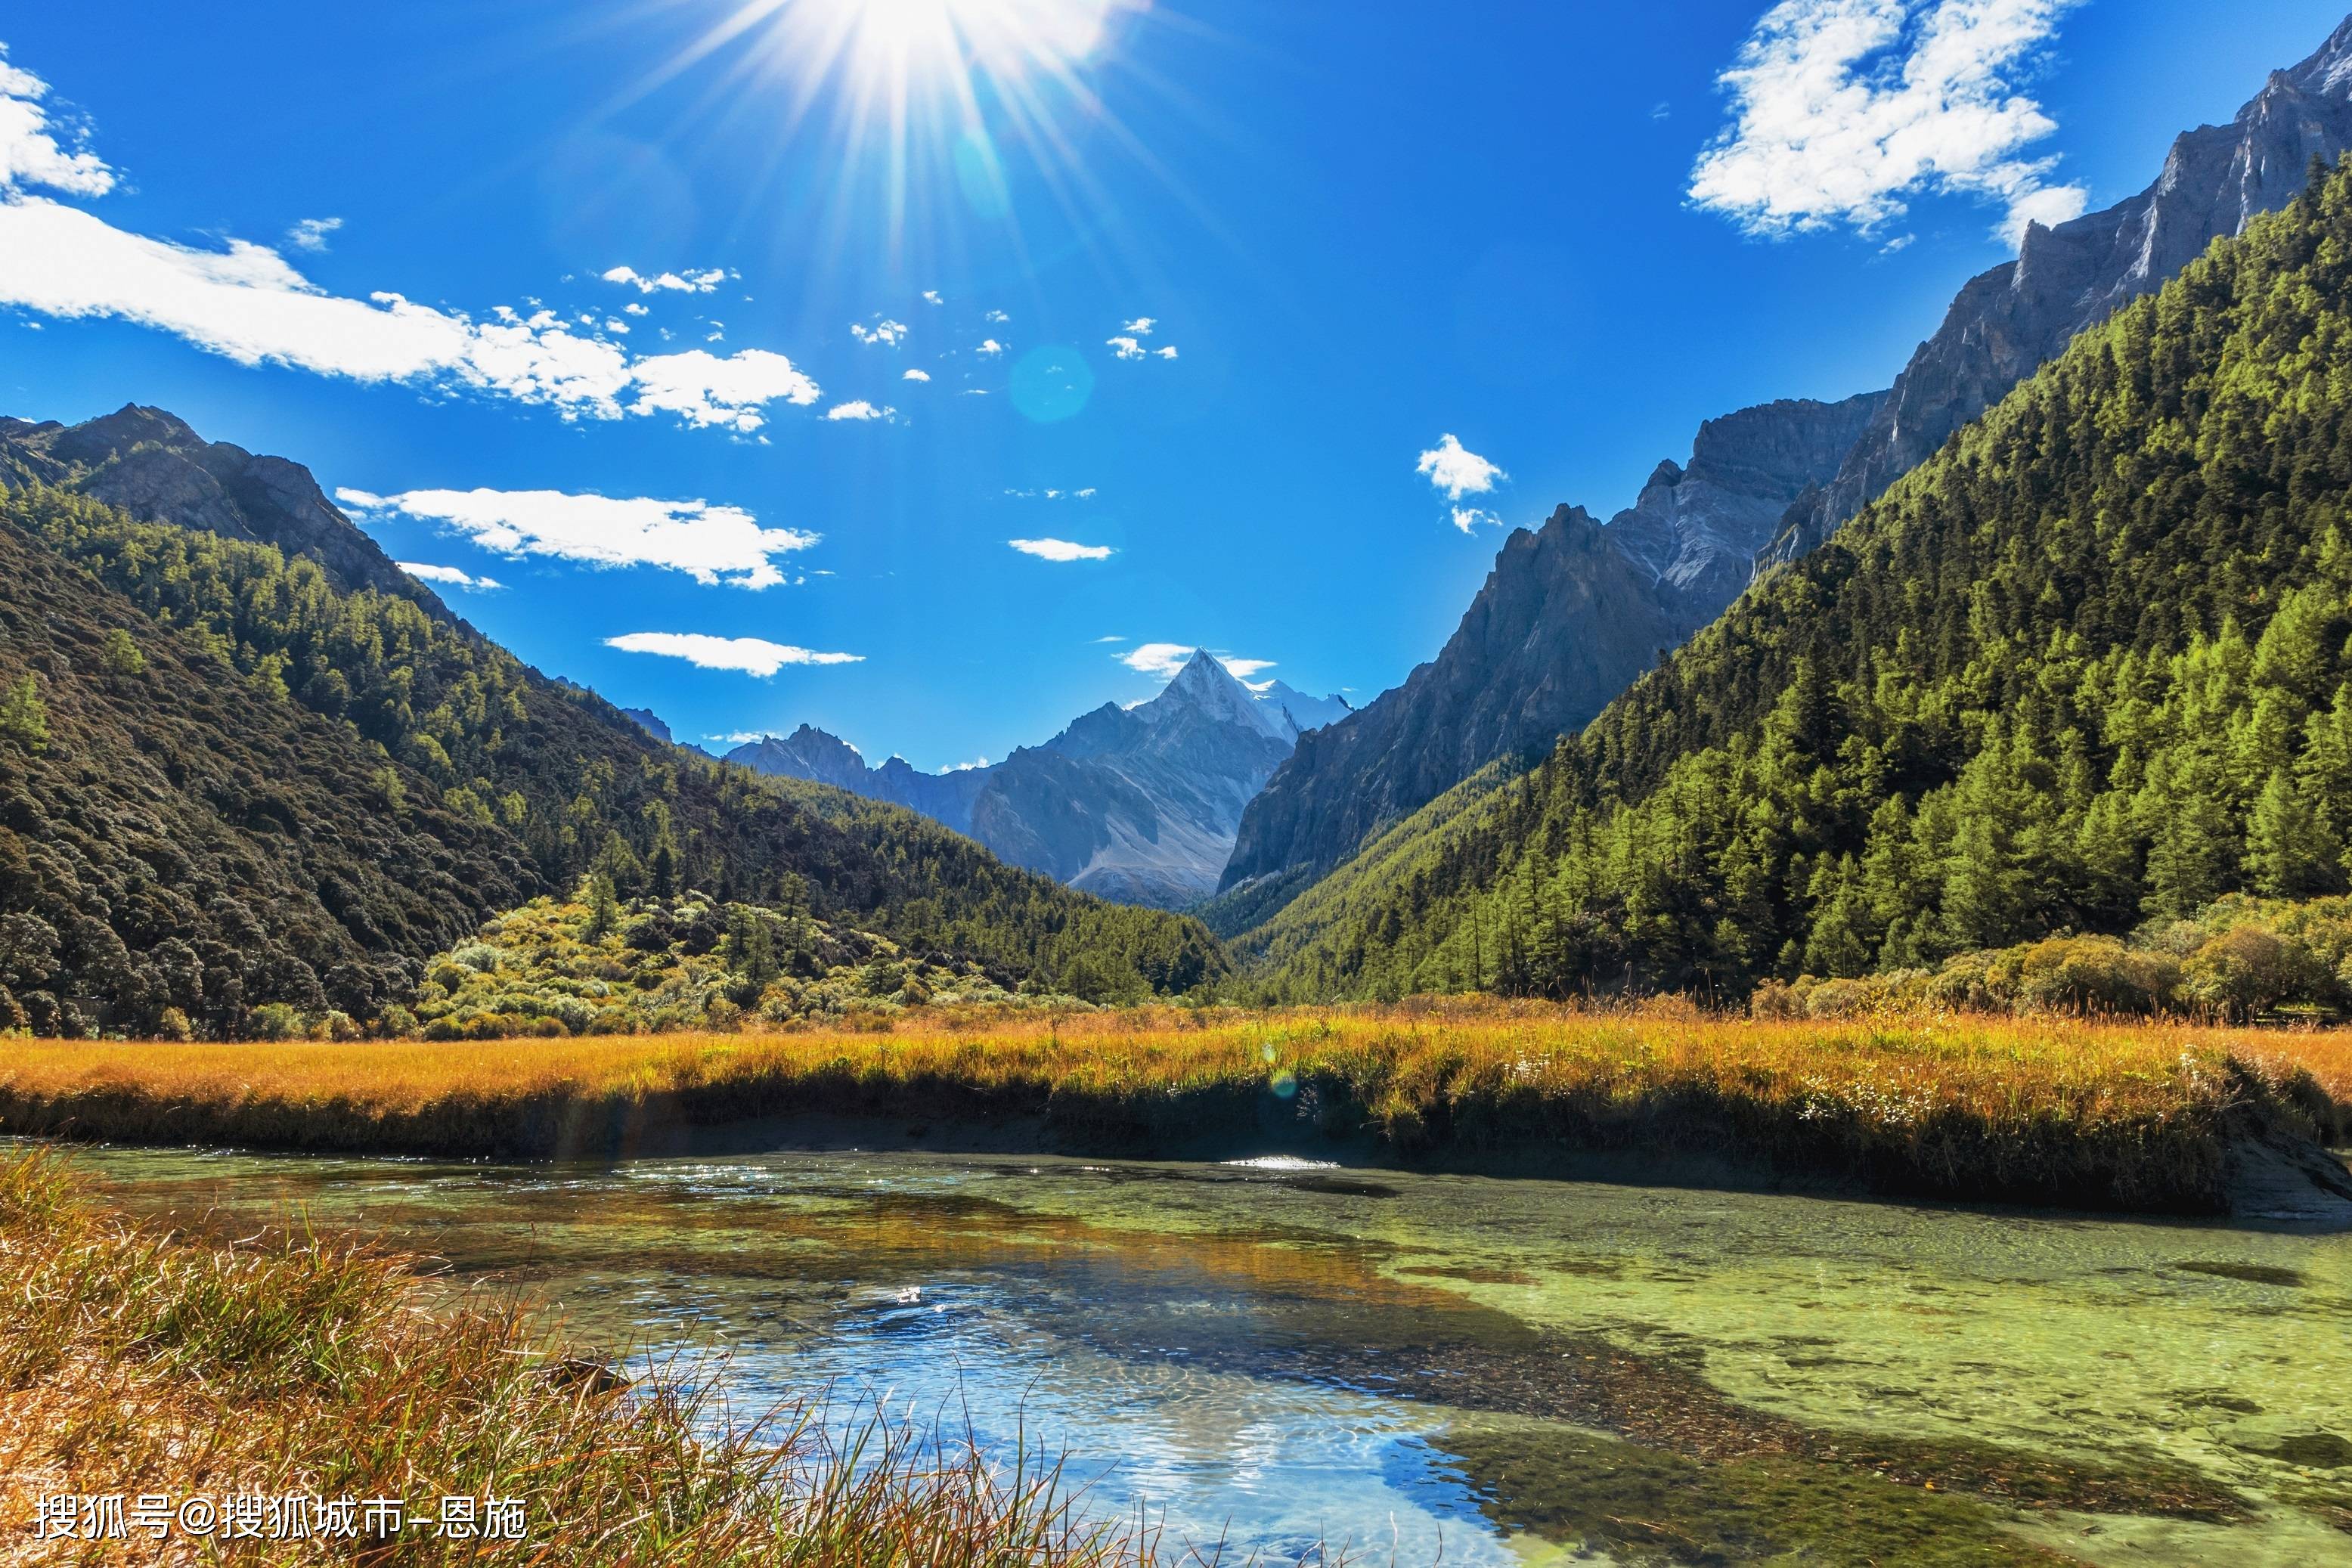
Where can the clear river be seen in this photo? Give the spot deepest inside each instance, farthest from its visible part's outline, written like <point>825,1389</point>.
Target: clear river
<point>1445,1368</point>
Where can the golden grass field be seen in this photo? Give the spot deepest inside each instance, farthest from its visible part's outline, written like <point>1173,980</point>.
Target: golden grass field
<point>2132,1114</point>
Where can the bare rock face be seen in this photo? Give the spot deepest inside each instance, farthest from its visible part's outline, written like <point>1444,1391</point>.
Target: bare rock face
<point>153,466</point>
<point>1135,804</point>
<point>1559,630</point>
<point>2008,322</point>
<point>1569,615</point>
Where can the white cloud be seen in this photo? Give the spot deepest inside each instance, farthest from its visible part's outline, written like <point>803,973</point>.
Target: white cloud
<point>310,233</point>
<point>1124,348</point>
<point>246,303</point>
<point>690,282</point>
<point>1099,641</point>
<point>1456,470</point>
<point>1467,517</point>
<point>712,544</point>
<point>704,389</point>
<point>1141,327</point>
<point>1166,350</point>
<point>932,297</point>
<point>1161,658</point>
<point>636,307</point>
<point>1164,660</point>
<point>752,656</point>
<point>2049,206</point>
<point>742,737</point>
<point>886,331</point>
<point>1060,550</point>
<point>965,767</point>
<point>859,408</point>
<point>449,575</point>
<point>989,349</point>
<point>999,317</point>
<point>359,501</point>
<point>30,154</point>
<point>1841,110</point>
<point>916,375</point>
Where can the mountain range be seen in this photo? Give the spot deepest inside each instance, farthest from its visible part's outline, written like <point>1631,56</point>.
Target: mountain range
<point>244,762</point>
<point>2084,675</point>
<point>1573,611</point>
<point>1137,804</point>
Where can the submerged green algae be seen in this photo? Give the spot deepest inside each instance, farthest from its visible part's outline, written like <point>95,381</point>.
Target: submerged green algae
<point>1658,1375</point>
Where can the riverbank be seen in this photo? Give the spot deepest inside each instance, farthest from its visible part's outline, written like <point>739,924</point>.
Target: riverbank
<point>2148,1117</point>
<point>328,1399</point>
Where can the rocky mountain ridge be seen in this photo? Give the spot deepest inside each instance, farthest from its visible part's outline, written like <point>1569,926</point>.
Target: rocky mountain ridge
<point>1137,804</point>
<point>150,464</point>
<point>1558,631</point>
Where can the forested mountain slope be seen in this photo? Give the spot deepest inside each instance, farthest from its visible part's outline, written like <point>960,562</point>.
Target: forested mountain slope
<point>1573,614</point>
<point>153,466</point>
<point>2087,665</point>
<point>225,782</point>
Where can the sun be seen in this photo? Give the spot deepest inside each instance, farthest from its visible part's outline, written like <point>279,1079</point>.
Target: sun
<point>898,40</point>
<point>929,117</point>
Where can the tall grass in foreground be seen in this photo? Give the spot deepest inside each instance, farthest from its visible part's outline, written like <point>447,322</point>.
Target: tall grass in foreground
<point>133,1361</point>
<point>2135,1115</point>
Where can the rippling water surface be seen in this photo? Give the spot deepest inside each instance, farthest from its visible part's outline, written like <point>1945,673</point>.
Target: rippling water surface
<point>1503,1372</point>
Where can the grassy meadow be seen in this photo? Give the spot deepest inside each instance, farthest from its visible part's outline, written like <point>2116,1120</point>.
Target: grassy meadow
<point>2131,1115</point>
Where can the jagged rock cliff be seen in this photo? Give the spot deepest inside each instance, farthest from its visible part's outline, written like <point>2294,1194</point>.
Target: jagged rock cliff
<point>153,466</point>
<point>2005,323</point>
<point>1763,486</point>
<point>1137,804</point>
<point>1569,617</point>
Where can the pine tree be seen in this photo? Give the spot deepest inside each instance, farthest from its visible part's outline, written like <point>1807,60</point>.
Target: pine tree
<point>24,717</point>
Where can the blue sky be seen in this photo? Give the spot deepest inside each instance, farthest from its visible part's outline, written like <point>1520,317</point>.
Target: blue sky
<point>1362,228</point>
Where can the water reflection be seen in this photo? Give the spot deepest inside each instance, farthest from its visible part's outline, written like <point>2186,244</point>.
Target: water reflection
<point>1283,1352</point>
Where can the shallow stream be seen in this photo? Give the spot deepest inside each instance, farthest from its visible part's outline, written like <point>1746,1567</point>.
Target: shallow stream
<point>1501,1372</point>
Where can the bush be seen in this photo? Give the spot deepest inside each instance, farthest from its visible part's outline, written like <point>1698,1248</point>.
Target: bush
<point>2247,970</point>
<point>2086,975</point>
<point>277,1021</point>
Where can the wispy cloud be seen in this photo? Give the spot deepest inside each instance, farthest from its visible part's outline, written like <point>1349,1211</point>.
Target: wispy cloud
<point>966,767</point>
<point>1165,660</point>
<point>859,408</point>
<point>1124,348</point>
<point>712,544</point>
<point>1157,659</point>
<point>1060,550</point>
<point>752,656</point>
<point>884,330</point>
<point>449,576</point>
<point>310,233</point>
<point>690,282</point>
<point>913,374</point>
<point>1844,110</point>
<point>1138,328</point>
<point>989,349</point>
<point>739,737</point>
<point>1467,518</point>
<point>30,153</point>
<point>246,303</point>
<point>1099,641</point>
<point>932,297</point>
<point>997,317</point>
<point>1456,471</point>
